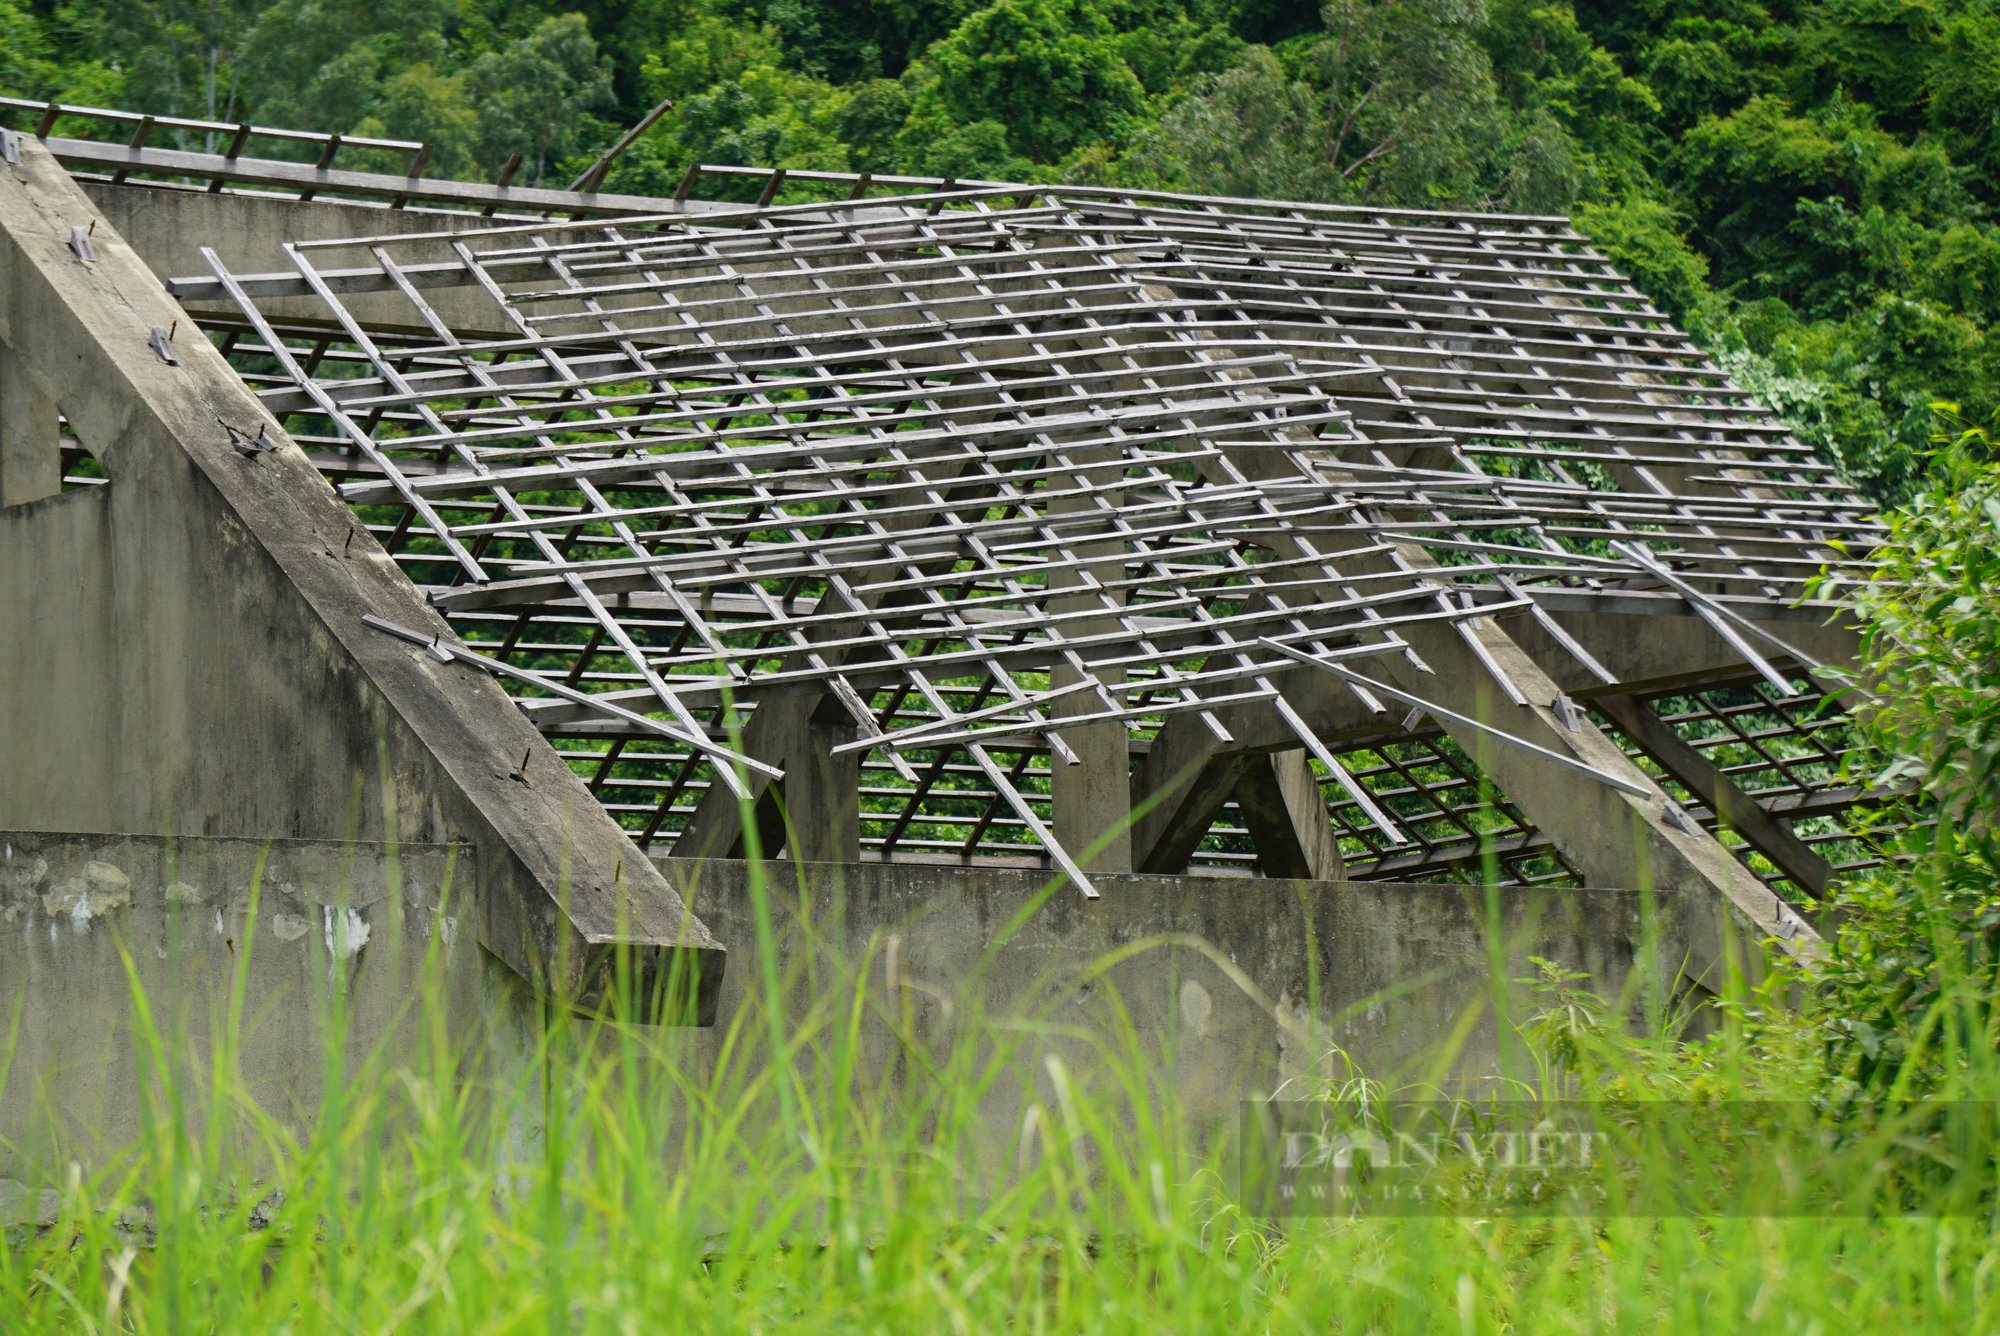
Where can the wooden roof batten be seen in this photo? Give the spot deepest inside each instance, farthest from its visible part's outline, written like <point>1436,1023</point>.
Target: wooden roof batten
<point>932,519</point>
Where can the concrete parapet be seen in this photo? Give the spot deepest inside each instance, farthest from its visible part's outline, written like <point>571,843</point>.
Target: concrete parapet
<point>1231,986</point>
<point>1214,989</point>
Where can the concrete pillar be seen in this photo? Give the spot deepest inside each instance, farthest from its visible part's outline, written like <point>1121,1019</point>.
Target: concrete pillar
<point>30,436</point>
<point>1090,802</point>
<point>813,814</point>
<point>821,796</point>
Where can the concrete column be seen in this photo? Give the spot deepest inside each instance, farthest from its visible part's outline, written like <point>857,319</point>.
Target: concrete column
<point>821,795</point>
<point>1091,801</point>
<point>30,436</point>
<point>813,814</point>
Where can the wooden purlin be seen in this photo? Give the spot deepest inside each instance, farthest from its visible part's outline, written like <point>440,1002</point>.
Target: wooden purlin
<point>707,522</point>
<point>722,439</point>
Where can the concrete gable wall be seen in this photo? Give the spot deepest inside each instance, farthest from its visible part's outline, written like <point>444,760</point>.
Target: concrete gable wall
<point>182,650</point>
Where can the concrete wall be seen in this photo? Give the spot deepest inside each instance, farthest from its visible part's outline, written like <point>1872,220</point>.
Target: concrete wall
<point>183,652</point>
<point>168,228</point>
<point>342,927</point>
<point>1230,986</point>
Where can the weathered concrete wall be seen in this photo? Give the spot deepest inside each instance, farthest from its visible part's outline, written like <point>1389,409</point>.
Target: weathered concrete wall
<point>1232,986</point>
<point>378,934</point>
<point>182,650</point>
<point>168,228</point>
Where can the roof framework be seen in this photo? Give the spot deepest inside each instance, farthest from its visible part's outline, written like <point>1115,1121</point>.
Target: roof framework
<point>934,510</point>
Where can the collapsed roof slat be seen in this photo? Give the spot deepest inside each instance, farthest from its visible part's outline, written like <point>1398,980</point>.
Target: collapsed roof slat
<point>964,457</point>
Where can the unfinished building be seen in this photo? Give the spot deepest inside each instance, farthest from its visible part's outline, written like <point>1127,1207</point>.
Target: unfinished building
<point>1260,571</point>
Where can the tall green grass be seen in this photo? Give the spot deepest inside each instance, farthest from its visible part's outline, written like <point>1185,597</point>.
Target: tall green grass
<point>773,1176</point>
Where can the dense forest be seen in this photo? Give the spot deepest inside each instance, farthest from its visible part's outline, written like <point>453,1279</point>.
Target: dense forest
<point>1809,186</point>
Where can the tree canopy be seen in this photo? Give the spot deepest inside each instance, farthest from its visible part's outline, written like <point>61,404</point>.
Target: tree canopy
<point>1810,186</point>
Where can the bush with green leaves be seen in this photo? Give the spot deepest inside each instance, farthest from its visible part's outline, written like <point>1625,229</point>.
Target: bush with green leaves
<point>1908,995</point>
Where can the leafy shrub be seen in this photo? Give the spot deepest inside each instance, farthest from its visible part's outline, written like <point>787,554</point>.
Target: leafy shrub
<point>1909,993</point>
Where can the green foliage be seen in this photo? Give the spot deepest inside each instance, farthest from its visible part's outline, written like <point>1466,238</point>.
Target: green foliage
<point>708,52</point>
<point>535,97</point>
<point>1963,69</point>
<point>1875,51</point>
<point>869,121</point>
<point>764,117</point>
<point>1766,179</point>
<point>1646,239</point>
<point>1911,989</point>
<point>320,60</point>
<point>421,102</point>
<point>1568,1026</point>
<point>1820,383</point>
<point>1700,67</point>
<point>1048,71</point>
<point>1545,60</point>
<point>975,152</point>
<point>174,59</point>
<point>1245,133</point>
<point>25,65</point>
<point>1415,114</point>
<point>1396,103</point>
<point>1809,185</point>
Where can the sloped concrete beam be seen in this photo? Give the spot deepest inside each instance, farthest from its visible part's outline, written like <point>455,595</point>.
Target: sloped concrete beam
<point>1286,814</point>
<point>1180,786</point>
<point>1739,811</point>
<point>1613,838</point>
<point>1187,775</point>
